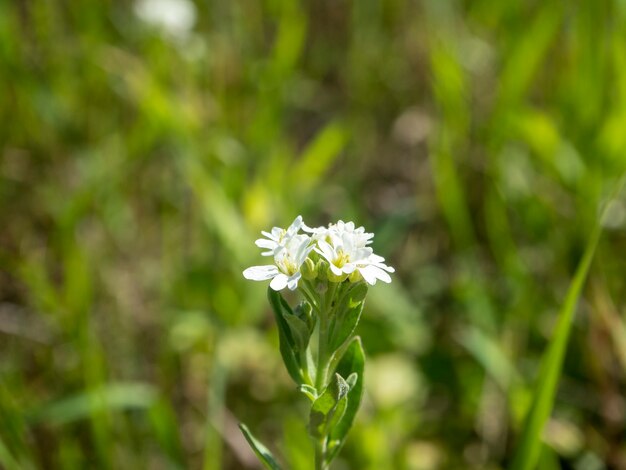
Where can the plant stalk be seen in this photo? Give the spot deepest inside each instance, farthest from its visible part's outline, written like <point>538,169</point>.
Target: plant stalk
<point>323,356</point>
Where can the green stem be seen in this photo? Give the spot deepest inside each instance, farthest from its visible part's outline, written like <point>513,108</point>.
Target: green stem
<point>323,356</point>
<point>322,360</point>
<point>308,291</point>
<point>320,454</point>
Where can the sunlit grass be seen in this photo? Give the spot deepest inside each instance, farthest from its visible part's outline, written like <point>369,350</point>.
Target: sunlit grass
<point>137,165</point>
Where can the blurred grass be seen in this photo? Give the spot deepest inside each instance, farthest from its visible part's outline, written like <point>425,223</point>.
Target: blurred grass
<point>141,153</point>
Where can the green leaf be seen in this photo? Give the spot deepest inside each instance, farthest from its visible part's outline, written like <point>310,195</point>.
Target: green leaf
<point>358,292</point>
<point>309,391</point>
<point>260,450</point>
<point>347,316</point>
<point>344,325</point>
<point>529,448</point>
<point>351,364</point>
<point>299,331</point>
<point>351,380</point>
<point>287,343</point>
<point>329,407</point>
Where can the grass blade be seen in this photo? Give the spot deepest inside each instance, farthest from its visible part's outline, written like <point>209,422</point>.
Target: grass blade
<point>6,459</point>
<point>528,450</point>
<point>114,396</point>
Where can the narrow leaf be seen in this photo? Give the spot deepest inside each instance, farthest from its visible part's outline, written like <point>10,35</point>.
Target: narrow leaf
<point>281,310</point>
<point>109,397</point>
<point>329,404</point>
<point>528,450</point>
<point>344,326</point>
<point>260,450</point>
<point>309,391</point>
<point>299,331</point>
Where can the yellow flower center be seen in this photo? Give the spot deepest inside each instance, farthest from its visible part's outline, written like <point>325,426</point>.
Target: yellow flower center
<point>288,266</point>
<point>341,259</point>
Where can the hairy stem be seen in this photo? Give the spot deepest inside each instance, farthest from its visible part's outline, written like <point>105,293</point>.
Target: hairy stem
<point>323,360</point>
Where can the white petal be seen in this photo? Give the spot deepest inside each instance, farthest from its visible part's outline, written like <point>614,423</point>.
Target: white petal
<point>279,282</point>
<point>295,225</point>
<point>265,243</point>
<point>349,268</point>
<point>292,282</point>
<point>260,273</point>
<point>335,269</point>
<point>269,235</point>
<point>378,273</point>
<point>376,259</point>
<point>368,275</point>
<point>364,254</point>
<point>301,250</point>
<point>383,266</point>
<point>326,250</point>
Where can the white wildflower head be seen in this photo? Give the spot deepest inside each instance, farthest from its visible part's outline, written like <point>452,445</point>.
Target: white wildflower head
<point>276,240</point>
<point>342,245</point>
<point>285,272</point>
<point>359,236</point>
<point>347,255</point>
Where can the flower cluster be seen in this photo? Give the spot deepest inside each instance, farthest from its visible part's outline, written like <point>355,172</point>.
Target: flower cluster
<point>336,253</point>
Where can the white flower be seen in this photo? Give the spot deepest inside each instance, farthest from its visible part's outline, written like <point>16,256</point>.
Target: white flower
<point>346,254</point>
<point>359,236</point>
<point>276,240</point>
<point>375,268</point>
<point>288,260</point>
<point>175,17</point>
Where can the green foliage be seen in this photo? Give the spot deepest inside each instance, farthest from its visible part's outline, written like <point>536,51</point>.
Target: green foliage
<point>476,139</point>
<point>347,315</point>
<point>291,333</point>
<point>329,407</point>
<point>352,366</point>
<point>529,446</point>
<point>259,449</point>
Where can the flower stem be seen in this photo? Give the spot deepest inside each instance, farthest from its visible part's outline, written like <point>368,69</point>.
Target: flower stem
<point>323,360</point>
<point>320,456</point>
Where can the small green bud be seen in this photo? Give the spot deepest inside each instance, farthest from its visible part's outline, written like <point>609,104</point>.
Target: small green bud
<point>304,311</point>
<point>322,269</point>
<point>355,276</point>
<point>308,269</point>
<point>332,277</point>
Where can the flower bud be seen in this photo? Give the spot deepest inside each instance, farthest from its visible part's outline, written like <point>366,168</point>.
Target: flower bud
<point>304,312</point>
<point>308,270</point>
<point>332,277</point>
<point>322,269</point>
<point>355,276</point>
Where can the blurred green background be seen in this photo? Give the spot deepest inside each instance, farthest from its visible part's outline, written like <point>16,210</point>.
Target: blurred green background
<point>144,145</point>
